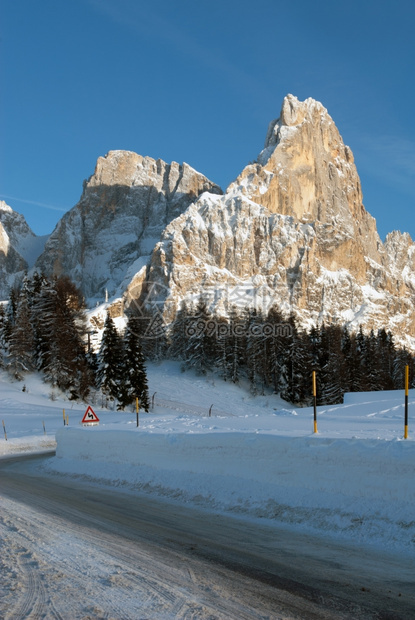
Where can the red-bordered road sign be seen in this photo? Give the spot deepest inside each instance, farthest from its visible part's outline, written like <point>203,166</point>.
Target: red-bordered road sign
<point>90,416</point>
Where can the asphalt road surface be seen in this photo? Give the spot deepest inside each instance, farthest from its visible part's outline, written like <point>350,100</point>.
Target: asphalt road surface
<point>72,550</point>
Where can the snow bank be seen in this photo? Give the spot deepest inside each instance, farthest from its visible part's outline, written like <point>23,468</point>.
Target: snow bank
<point>358,487</point>
<point>256,456</point>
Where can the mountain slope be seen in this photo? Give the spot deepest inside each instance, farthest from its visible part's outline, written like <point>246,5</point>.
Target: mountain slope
<point>19,247</point>
<point>125,205</point>
<point>291,231</point>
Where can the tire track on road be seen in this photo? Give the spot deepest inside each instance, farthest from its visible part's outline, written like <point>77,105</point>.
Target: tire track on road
<point>100,553</point>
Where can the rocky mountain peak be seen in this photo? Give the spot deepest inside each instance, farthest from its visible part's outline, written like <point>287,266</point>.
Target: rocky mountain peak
<point>16,240</point>
<point>294,112</point>
<point>5,207</point>
<point>14,223</point>
<point>307,172</point>
<point>107,238</point>
<point>291,229</point>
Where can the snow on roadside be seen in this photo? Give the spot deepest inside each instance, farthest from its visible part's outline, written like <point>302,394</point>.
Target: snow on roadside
<point>257,457</point>
<point>360,488</point>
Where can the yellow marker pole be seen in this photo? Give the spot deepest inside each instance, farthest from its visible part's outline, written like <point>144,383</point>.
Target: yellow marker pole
<point>406,401</point>
<point>315,400</point>
<point>63,416</point>
<point>67,420</point>
<point>137,408</point>
<point>4,428</point>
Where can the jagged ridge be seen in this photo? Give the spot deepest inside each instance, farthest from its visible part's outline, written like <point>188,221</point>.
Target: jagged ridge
<point>125,205</point>
<point>291,230</point>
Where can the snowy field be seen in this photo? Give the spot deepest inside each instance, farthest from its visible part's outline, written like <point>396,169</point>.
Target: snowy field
<point>256,457</point>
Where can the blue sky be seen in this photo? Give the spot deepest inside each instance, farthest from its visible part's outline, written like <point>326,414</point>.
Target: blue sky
<point>199,81</point>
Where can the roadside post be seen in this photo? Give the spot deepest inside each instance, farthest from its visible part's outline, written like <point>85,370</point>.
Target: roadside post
<point>137,408</point>
<point>64,419</point>
<point>406,401</point>
<point>315,400</point>
<point>44,429</point>
<point>4,428</point>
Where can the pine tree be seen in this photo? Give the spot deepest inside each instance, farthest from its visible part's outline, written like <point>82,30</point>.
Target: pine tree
<point>296,367</point>
<point>220,363</point>
<point>21,339</point>
<point>59,327</point>
<point>331,378</point>
<point>44,325</point>
<point>178,333</point>
<point>372,363</point>
<point>402,359</point>
<point>36,284</point>
<point>136,385</point>
<point>277,344</point>
<point>199,349</point>
<point>359,362</point>
<point>111,375</point>
<point>385,352</point>
<point>234,346</point>
<point>254,351</point>
<point>346,349</point>
<point>10,317</point>
<point>2,341</point>
<point>92,364</point>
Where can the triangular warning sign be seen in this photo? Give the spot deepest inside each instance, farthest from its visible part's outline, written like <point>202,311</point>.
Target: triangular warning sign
<point>90,416</point>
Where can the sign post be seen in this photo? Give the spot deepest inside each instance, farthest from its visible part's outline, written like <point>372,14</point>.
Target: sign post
<point>137,408</point>
<point>90,418</point>
<point>406,401</point>
<point>315,400</point>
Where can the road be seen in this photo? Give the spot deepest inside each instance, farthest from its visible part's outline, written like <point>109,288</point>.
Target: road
<point>72,551</point>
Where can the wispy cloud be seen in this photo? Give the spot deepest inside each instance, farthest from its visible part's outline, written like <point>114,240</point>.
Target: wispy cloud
<point>389,158</point>
<point>33,202</point>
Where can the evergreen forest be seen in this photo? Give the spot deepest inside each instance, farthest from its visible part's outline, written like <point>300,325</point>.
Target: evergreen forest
<point>271,351</point>
<point>43,328</point>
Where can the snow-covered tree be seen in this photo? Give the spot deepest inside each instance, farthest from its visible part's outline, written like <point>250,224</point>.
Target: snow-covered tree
<point>331,368</point>
<point>255,351</point>
<point>10,316</point>
<point>402,359</point>
<point>111,371</point>
<point>200,339</point>
<point>135,383</point>
<point>276,342</point>
<point>59,328</point>
<point>21,339</point>
<point>296,368</point>
<point>2,339</point>
<point>178,333</point>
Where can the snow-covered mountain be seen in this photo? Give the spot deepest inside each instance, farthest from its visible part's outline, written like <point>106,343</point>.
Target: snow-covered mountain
<point>291,231</point>
<point>104,240</point>
<point>19,247</point>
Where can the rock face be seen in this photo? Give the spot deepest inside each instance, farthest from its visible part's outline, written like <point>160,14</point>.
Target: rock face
<point>19,246</point>
<point>292,231</point>
<point>108,236</point>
